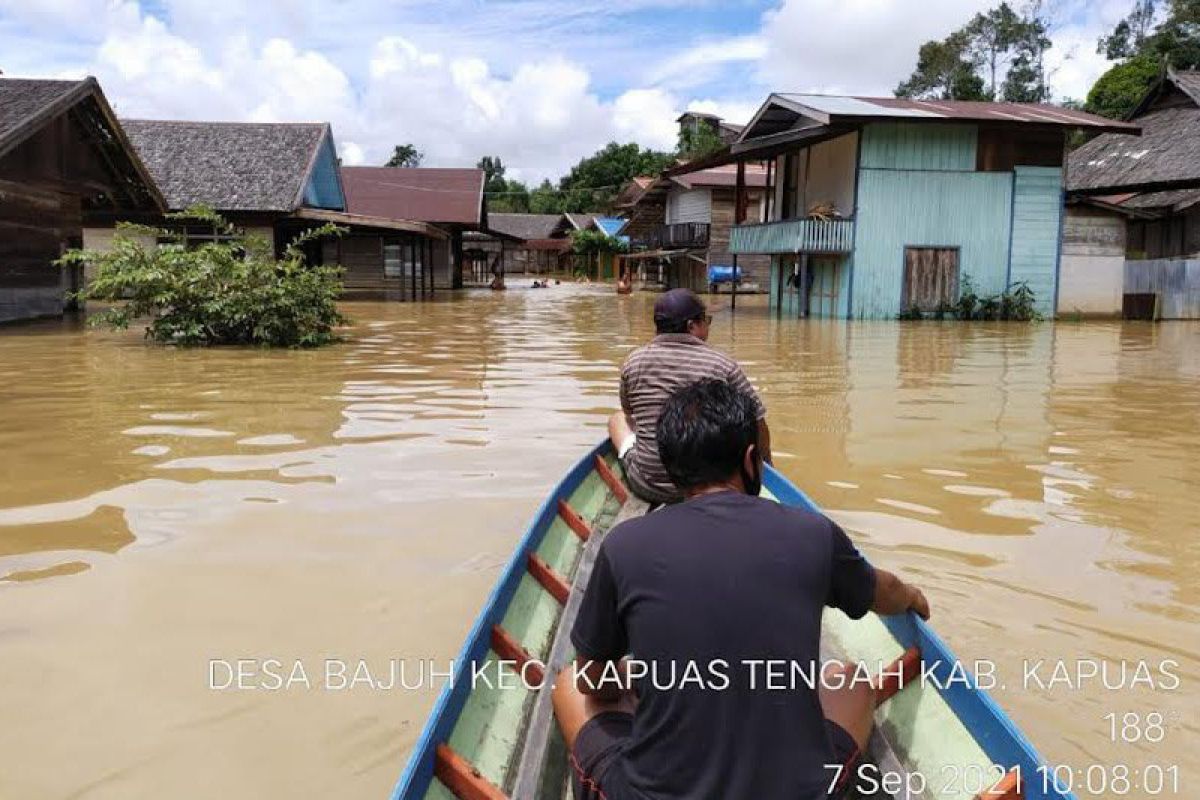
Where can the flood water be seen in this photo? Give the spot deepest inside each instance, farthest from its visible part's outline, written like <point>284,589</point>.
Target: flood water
<point>163,508</point>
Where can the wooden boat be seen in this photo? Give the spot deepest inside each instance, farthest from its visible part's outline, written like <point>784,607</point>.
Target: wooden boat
<point>487,741</point>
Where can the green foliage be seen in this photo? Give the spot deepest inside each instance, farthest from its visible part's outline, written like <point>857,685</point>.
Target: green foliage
<point>1146,41</point>
<point>592,184</point>
<point>1016,304</point>
<point>698,141</point>
<point>1007,47</point>
<point>1128,38</point>
<point>229,291</point>
<point>1118,91</point>
<point>589,241</point>
<point>405,155</point>
<point>944,73</point>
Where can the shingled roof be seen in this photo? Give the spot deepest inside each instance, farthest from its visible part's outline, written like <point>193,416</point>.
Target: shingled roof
<point>529,227</point>
<point>229,166</point>
<point>27,105</point>
<point>1166,155</point>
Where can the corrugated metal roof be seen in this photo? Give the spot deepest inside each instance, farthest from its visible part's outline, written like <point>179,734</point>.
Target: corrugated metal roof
<point>428,194</point>
<point>726,175</point>
<point>905,108</point>
<point>530,227</point>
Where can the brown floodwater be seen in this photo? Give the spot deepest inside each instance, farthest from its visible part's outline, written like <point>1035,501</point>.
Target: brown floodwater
<point>164,508</point>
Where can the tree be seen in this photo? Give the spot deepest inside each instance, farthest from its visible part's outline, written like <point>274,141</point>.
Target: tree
<point>405,155</point>
<point>1117,92</point>
<point>1129,36</point>
<point>992,38</point>
<point>1004,46</point>
<point>698,141</point>
<point>1146,41</point>
<point>943,72</point>
<point>592,184</point>
<point>546,199</point>
<point>228,291</point>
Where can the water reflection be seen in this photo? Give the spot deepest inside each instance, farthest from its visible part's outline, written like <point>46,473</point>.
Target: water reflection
<point>163,507</point>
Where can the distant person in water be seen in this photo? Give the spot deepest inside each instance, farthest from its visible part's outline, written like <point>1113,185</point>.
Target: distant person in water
<point>677,356</point>
<point>712,587</point>
<point>498,281</point>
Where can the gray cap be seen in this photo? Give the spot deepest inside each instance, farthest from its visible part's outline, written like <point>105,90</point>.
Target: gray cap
<point>677,306</point>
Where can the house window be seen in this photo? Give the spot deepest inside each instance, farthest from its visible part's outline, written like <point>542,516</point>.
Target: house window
<point>930,278</point>
<point>392,265</point>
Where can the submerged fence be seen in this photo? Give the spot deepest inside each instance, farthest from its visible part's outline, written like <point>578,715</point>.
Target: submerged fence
<point>1174,285</point>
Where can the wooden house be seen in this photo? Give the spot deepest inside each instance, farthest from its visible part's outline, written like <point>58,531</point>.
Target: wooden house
<point>879,205</point>
<point>63,160</point>
<point>438,205</point>
<point>523,243</point>
<point>1132,233</point>
<point>682,222</point>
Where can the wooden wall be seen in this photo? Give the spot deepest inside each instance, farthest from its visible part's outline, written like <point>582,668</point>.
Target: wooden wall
<point>1093,262</point>
<point>755,268</point>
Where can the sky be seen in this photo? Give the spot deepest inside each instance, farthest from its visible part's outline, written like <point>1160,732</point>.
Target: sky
<point>541,83</point>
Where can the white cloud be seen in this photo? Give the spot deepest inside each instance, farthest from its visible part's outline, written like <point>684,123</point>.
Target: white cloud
<point>539,83</point>
<point>699,64</point>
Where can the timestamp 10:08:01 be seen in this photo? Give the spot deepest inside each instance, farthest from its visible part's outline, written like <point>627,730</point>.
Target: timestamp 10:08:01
<point>1111,780</point>
<point>1098,780</point>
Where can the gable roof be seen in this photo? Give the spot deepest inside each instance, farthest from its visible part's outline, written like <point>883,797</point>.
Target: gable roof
<point>429,194</point>
<point>579,221</point>
<point>722,176</point>
<point>1166,156</point>
<point>609,225</point>
<point>529,227</point>
<point>27,105</point>
<point>786,111</point>
<point>230,166</point>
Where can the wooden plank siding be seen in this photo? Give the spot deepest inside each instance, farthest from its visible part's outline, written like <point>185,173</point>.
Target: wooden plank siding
<point>754,268</point>
<point>1036,225</point>
<point>919,146</point>
<point>901,208</point>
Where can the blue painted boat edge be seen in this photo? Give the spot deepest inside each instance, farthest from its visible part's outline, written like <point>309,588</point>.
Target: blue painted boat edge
<point>996,733</point>
<point>418,773</point>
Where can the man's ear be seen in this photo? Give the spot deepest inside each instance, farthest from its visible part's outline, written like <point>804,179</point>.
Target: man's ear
<point>751,462</point>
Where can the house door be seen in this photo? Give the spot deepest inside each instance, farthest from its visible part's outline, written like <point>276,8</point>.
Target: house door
<point>930,278</point>
<point>825,288</point>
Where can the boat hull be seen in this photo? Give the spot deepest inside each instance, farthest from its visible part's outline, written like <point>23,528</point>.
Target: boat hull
<point>491,733</point>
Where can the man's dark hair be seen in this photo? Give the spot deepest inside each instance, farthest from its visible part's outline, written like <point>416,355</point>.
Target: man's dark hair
<point>704,430</point>
<point>671,325</point>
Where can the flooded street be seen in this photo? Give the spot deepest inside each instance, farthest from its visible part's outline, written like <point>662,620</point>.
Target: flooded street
<point>162,508</point>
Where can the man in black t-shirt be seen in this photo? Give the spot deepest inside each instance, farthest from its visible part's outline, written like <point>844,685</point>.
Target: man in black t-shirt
<point>701,596</point>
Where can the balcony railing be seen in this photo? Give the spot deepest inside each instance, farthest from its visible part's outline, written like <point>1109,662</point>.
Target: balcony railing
<point>681,235</point>
<point>794,236</point>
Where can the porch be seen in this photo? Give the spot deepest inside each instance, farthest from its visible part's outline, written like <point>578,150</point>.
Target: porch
<point>808,235</point>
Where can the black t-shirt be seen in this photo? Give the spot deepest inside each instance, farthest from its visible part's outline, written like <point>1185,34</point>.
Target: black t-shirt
<point>723,579</point>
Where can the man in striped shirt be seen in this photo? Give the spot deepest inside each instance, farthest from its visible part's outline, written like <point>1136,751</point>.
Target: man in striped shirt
<point>678,356</point>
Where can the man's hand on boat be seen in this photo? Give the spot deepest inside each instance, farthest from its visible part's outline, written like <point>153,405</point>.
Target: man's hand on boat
<point>894,596</point>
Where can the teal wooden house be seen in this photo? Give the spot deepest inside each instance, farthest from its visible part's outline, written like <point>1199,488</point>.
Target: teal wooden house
<point>882,205</point>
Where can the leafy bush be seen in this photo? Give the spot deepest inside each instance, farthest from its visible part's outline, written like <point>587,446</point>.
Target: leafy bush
<point>229,291</point>
<point>589,241</point>
<point>1016,304</point>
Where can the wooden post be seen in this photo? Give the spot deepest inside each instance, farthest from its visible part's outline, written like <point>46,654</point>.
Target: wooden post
<point>456,259</point>
<point>739,216</point>
<point>412,282</point>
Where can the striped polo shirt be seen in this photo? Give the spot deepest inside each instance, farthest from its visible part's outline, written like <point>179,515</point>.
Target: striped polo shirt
<point>652,374</point>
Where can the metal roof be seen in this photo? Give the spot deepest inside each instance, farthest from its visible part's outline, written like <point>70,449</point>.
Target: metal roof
<point>785,111</point>
<point>445,195</point>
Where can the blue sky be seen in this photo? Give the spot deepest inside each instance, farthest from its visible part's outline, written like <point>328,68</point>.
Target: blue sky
<point>539,82</point>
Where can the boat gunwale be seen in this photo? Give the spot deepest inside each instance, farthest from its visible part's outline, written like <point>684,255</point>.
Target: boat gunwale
<point>419,772</point>
<point>995,732</point>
